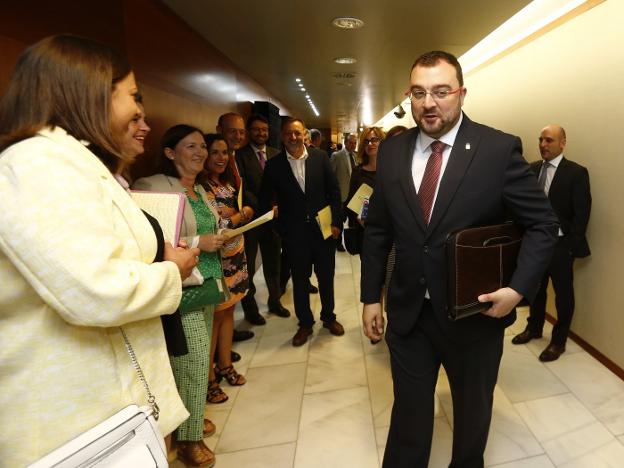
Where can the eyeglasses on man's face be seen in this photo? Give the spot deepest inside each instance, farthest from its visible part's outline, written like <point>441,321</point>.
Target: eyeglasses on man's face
<point>417,95</point>
<point>372,141</point>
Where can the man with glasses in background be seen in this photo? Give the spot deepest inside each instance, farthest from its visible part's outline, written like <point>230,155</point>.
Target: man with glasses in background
<point>343,163</point>
<point>251,160</point>
<point>447,174</point>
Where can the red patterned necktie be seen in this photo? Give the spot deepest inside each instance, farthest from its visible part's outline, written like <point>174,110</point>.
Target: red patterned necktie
<point>430,178</point>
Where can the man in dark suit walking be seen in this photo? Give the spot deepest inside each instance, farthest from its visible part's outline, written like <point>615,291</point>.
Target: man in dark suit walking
<point>251,160</point>
<point>566,184</point>
<point>447,174</point>
<point>300,182</point>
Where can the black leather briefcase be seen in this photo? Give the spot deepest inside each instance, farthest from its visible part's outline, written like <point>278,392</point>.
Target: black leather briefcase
<point>480,260</point>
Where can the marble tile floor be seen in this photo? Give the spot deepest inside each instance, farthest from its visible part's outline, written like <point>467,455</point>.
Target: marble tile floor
<point>328,403</point>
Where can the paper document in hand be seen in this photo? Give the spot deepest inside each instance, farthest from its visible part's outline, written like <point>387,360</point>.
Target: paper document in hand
<point>363,193</point>
<point>166,207</point>
<point>240,196</point>
<point>324,220</point>
<point>268,216</point>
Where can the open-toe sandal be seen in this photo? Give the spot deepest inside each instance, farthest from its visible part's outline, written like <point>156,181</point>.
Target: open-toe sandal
<point>215,394</point>
<point>229,373</point>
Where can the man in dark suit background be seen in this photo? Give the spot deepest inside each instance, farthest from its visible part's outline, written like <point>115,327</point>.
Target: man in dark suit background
<point>448,173</point>
<point>566,184</point>
<point>300,182</point>
<point>251,160</point>
<point>343,162</point>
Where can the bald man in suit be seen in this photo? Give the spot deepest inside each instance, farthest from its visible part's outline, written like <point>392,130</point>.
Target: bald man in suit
<point>566,184</point>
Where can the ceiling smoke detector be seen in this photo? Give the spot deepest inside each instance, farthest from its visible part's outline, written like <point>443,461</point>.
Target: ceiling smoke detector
<point>346,22</point>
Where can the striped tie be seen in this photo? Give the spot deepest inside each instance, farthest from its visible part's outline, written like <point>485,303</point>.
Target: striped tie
<point>430,178</point>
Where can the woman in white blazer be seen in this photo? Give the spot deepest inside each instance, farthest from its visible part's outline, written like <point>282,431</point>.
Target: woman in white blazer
<point>75,255</point>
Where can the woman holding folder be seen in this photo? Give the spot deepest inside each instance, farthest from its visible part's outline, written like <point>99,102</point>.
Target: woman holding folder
<point>364,173</point>
<point>182,164</point>
<point>76,255</point>
<point>224,198</point>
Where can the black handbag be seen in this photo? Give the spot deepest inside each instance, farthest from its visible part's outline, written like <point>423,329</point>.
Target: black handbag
<point>479,260</point>
<point>353,240</point>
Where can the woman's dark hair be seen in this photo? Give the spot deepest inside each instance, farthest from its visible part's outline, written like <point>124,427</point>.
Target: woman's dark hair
<point>169,140</point>
<point>65,81</point>
<point>227,177</point>
<point>396,130</point>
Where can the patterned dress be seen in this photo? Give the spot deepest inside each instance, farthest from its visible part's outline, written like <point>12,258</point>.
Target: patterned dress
<point>191,370</point>
<point>233,258</point>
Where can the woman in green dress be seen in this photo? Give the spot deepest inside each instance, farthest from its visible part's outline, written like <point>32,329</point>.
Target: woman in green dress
<point>182,164</point>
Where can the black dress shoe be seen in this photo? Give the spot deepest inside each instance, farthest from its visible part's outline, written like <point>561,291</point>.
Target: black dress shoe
<point>552,353</point>
<point>279,310</point>
<point>301,336</point>
<point>242,335</point>
<point>526,336</point>
<point>313,289</point>
<point>255,318</point>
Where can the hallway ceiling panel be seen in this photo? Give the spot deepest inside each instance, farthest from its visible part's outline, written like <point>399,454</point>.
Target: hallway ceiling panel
<point>275,41</point>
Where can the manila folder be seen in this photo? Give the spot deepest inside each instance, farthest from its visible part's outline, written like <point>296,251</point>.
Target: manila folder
<point>324,220</point>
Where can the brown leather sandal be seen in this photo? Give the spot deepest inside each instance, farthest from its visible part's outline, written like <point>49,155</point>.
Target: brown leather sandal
<point>215,394</point>
<point>209,428</point>
<point>196,454</point>
<point>230,374</point>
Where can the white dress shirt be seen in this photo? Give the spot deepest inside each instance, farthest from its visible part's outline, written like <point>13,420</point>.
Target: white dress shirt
<point>550,171</point>
<point>297,165</point>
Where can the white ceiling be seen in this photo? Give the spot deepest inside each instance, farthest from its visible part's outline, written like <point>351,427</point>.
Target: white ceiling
<point>275,41</point>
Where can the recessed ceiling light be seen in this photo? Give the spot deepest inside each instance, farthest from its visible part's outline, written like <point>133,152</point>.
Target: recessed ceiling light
<point>308,96</point>
<point>346,22</point>
<point>345,60</point>
<point>297,80</point>
<point>303,89</point>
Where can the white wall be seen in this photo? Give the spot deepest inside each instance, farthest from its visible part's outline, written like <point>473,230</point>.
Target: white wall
<point>574,76</point>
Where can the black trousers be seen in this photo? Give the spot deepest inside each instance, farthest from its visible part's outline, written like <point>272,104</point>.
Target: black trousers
<point>305,250</point>
<point>472,370</point>
<point>561,272</point>
<point>270,246</point>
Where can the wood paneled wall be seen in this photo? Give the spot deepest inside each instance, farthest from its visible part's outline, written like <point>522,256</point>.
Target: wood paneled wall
<point>182,77</point>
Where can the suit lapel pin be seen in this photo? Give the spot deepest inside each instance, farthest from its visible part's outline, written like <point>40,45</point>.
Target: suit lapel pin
<point>467,146</point>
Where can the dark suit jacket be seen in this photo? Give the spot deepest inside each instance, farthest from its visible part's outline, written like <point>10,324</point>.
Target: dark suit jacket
<point>570,197</point>
<point>485,182</point>
<point>295,207</point>
<point>251,173</point>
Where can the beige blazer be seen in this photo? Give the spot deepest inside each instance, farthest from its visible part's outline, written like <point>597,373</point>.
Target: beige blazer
<point>165,183</point>
<point>75,263</point>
